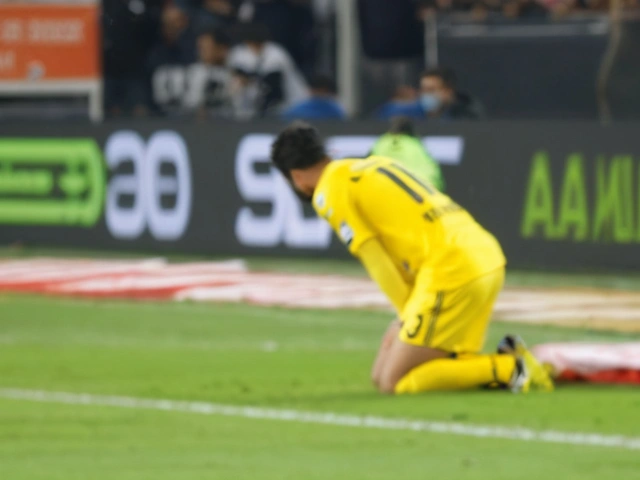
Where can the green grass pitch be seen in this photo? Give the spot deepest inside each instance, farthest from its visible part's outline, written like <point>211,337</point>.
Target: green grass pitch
<point>266,357</point>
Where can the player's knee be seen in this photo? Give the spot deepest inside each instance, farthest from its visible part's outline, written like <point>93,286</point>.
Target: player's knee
<point>375,378</point>
<point>386,385</point>
<point>386,388</point>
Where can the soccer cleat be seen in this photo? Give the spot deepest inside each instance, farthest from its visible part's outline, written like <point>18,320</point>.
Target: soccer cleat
<point>507,345</point>
<point>521,380</point>
<point>529,374</point>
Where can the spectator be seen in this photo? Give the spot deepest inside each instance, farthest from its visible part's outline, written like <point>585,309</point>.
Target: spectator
<point>404,103</point>
<point>440,98</point>
<point>168,59</point>
<point>208,81</point>
<point>266,79</point>
<point>177,38</point>
<point>321,105</point>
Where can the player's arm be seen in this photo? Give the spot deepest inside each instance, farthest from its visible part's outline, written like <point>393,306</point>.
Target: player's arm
<point>339,208</point>
<point>379,200</point>
<point>382,270</point>
<point>363,243</point>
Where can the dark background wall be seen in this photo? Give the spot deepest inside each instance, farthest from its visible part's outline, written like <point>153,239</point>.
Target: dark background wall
<point>557,195</point>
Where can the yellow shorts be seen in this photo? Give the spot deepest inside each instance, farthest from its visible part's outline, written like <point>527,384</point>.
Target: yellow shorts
<point>453,320</point>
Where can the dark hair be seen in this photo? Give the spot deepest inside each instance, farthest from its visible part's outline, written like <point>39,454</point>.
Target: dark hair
<point>321,81</point>
<point>298,146</point>
<point>402,125</point>
<point>219,35</point>
<point>447,75</point>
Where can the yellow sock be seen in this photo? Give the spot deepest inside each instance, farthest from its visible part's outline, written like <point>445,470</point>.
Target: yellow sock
<point>462,373</point>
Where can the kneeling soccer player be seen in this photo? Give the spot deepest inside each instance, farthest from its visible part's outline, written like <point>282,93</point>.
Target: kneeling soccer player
<point>440,269</point>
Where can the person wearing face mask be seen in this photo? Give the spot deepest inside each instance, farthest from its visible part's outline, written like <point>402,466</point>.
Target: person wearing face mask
<point>440,99</point>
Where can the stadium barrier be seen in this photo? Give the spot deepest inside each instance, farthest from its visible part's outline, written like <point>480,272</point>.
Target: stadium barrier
<point>560,196</point>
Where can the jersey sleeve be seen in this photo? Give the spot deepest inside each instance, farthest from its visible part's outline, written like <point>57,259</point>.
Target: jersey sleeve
<point>338,208</point>
<point>381,269</point>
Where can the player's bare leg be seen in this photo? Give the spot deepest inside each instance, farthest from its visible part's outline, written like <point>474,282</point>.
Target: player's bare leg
<point>387,340</point>
<point>404,368</point>
<point>399,359</point>
<point>414,369</point>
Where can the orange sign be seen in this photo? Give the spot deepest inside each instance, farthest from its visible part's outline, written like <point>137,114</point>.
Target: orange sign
<point>49,42</point>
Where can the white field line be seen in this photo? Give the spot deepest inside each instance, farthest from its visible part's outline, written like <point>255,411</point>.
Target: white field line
<point>335,419</point>
<point>267,345</point>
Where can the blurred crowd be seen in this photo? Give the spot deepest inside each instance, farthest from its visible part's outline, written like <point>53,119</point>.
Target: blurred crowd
<point>212,58</point>
<point>246,59</point>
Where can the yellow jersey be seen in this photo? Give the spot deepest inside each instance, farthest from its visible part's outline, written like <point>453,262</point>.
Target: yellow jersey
<point>426,235</point>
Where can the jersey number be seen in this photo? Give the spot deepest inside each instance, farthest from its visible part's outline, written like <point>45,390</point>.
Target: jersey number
<point>417,196</point>
<point>417,323</point>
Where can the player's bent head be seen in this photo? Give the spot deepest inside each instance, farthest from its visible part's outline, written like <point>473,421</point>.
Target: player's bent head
<point>299,154</point>
<point>298,147</point>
